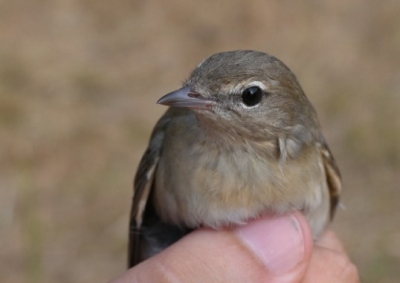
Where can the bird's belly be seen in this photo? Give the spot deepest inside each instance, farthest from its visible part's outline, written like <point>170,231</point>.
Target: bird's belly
<point>214,189</point>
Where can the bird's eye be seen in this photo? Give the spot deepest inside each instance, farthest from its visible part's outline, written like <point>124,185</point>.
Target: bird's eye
<point>252,96</point>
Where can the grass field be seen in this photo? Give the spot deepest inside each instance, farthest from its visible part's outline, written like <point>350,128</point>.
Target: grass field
<point>78,85</point>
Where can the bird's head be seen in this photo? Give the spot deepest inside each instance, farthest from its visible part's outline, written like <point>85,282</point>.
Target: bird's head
<point>247,93</point>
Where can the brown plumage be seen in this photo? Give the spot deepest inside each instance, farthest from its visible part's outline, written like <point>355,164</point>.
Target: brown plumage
<point>240,139</point>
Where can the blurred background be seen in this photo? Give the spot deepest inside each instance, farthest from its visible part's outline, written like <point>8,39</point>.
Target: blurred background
<point>78,84</point>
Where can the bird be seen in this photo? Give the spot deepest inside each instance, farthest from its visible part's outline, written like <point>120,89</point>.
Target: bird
<point>240,139</point>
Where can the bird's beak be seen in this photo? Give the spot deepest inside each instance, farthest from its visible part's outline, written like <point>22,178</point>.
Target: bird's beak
<point>184,97</point>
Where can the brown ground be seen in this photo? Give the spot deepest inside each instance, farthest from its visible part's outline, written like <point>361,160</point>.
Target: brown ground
<point>78,85</point>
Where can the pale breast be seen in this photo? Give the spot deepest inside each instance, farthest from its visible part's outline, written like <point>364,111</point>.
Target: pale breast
<point>203,182</point>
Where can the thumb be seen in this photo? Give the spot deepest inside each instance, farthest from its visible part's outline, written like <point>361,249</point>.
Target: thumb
<point>269,249</point>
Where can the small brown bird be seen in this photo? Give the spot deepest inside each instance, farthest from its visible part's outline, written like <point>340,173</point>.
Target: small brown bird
<point>239,140</point>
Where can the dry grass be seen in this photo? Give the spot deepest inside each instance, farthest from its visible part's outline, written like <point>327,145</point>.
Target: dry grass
<point>78,85</point>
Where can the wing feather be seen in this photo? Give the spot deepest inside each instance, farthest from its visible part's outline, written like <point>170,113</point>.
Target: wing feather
<point>333,177</point>
<point>142,187</point>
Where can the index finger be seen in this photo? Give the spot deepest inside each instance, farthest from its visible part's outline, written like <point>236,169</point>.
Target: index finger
<point>330,241</point>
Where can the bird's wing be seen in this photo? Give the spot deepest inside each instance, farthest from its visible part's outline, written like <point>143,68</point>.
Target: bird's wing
<point>148,234</point>
<point>333,177</point>
<point>141,189</point>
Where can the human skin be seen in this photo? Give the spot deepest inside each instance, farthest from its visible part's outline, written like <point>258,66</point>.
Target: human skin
<point>269,249</point>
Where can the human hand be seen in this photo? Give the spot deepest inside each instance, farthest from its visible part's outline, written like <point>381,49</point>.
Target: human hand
<point>270,249</point>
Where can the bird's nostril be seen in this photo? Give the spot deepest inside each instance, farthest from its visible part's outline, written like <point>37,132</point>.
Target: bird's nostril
<point>193,94</point>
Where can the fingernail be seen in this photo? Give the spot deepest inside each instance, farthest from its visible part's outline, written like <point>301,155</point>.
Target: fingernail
<point>276,241</point>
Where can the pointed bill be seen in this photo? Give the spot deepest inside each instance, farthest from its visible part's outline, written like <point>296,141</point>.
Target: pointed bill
<point>184,97</point>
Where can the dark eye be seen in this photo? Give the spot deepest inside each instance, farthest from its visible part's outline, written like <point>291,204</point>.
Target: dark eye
<point>252,96</point>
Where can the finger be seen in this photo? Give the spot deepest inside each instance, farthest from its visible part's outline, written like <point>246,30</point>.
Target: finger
<point>329,240</point>
<point>329,262</point>
<point>270,249</point>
